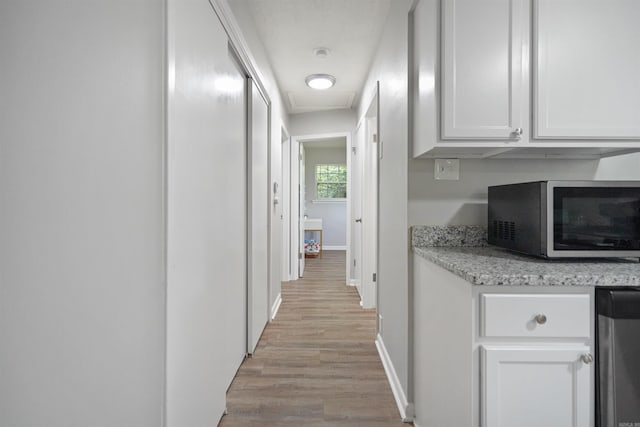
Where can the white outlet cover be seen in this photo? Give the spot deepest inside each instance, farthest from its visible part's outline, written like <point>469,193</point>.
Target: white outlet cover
<point>447,169</point>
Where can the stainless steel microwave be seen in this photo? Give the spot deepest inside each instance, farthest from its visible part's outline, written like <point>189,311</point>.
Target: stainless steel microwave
<point>566,219</point>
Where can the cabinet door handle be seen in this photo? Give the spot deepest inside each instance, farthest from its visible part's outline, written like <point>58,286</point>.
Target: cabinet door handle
<point>540,319</point>
<point>587,358</point>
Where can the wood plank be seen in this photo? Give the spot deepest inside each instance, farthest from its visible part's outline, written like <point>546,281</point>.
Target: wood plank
<point>316,363</point>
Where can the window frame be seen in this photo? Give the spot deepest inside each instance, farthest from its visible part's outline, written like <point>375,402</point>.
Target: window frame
<point>317,182</point>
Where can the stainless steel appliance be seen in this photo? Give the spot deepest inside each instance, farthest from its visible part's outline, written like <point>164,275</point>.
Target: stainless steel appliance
<point>618,357</point>
<point>566,219</point>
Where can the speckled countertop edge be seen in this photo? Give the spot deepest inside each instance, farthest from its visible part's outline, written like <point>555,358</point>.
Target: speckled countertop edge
<point>448,235</point>
<point>491,266</point>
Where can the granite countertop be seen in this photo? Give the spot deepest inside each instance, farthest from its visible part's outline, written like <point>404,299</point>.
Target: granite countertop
<point>457,249</point>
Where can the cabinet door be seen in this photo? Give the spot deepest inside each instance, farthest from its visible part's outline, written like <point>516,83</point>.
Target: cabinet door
<point>587,68</point>
<point>485,51</point>
<point>536,386</point>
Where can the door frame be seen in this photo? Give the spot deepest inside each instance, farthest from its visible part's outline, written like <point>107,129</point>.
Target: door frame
<point>285,200</point>
<point>355,208</point>
<point>258,212</point>
<point>296,141</point>
<point>371,223</point>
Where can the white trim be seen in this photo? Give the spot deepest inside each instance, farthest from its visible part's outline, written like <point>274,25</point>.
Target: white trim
<point>405,408</point>
<point>334,248</point>
<point>353,282</point>
<point>276,306</point>
<point>329,201</point>
<point>237,40</point>
<point>330,135</point>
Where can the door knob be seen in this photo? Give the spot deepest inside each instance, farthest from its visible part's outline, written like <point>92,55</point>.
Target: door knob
<point>587,358</point>
<point>517,132</point>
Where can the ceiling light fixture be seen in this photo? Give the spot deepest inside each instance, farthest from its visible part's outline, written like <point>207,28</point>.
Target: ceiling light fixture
<point>320,81</point>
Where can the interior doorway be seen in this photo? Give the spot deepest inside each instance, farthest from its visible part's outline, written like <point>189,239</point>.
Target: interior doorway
<point>320,182</point>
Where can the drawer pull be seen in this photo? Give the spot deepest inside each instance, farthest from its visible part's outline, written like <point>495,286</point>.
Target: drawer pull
<point>587,358</point>
<point>541,319</point>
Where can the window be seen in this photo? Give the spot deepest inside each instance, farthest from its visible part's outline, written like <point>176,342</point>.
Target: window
<point>331,181</point>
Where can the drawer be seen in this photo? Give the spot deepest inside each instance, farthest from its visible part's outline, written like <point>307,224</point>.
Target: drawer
<point>535,315</point>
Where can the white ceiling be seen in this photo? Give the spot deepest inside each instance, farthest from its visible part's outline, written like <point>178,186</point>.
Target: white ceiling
<point>291,29</point>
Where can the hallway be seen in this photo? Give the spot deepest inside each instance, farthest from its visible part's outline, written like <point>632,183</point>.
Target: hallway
<point>316,364</point>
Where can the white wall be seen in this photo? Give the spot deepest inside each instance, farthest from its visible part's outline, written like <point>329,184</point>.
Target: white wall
<point>333,213</point>
<point>464,202</point>
<point>620,168</point>
<point>319,122</point>
<point>390,67</point>
<point>279,118</point>
<point>81,213</point>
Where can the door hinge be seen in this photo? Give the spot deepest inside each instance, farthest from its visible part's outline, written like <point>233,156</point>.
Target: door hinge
<point>299,255</point>
<point>374,277</point>
<point>354,150</point>
<point>300,157</point>
<point>375,137</point>
<point>354,262</point>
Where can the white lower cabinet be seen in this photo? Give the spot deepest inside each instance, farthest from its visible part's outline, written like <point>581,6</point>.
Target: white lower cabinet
<point>535,358</point>
<point>501,356</point>
<point>535,386</point>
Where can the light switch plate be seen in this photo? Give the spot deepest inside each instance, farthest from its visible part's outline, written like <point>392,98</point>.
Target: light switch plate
<point>447,169</point>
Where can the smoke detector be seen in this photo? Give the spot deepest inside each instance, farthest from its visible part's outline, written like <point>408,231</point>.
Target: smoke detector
<point>321,52</point>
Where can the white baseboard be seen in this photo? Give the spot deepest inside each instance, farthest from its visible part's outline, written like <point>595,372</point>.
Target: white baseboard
<point>353,282</point>
<point>405,408</point>
<point>333,248</point>
<point>276,306</point>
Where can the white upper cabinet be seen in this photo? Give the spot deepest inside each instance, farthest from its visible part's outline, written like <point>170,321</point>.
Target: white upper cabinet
<point>586,69</point>
<point>525,78</point>
<point>485,51</point>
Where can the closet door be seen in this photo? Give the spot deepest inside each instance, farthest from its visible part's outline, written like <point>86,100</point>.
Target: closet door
<point>258,226</point>
<point>485,48</point>
<point>587,63</point>
<point>207,215</point>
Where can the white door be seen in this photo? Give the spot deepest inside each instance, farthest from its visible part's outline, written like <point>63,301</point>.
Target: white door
<point>536,386</point>
<point>294,205</point>
<point>587,64</point>
<point>207,216</point>
<point>356,207</point>
<point>370,211</point>
<point>285,209</point>
<point>258,207</point>
<point>369,201</point>
<point>485,47</point>
<point>301,210</point>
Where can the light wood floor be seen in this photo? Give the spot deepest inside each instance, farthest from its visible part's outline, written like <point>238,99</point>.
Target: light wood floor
<point>316,364</point>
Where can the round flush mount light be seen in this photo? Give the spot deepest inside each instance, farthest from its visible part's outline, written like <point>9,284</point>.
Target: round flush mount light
<point>320,81</point>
